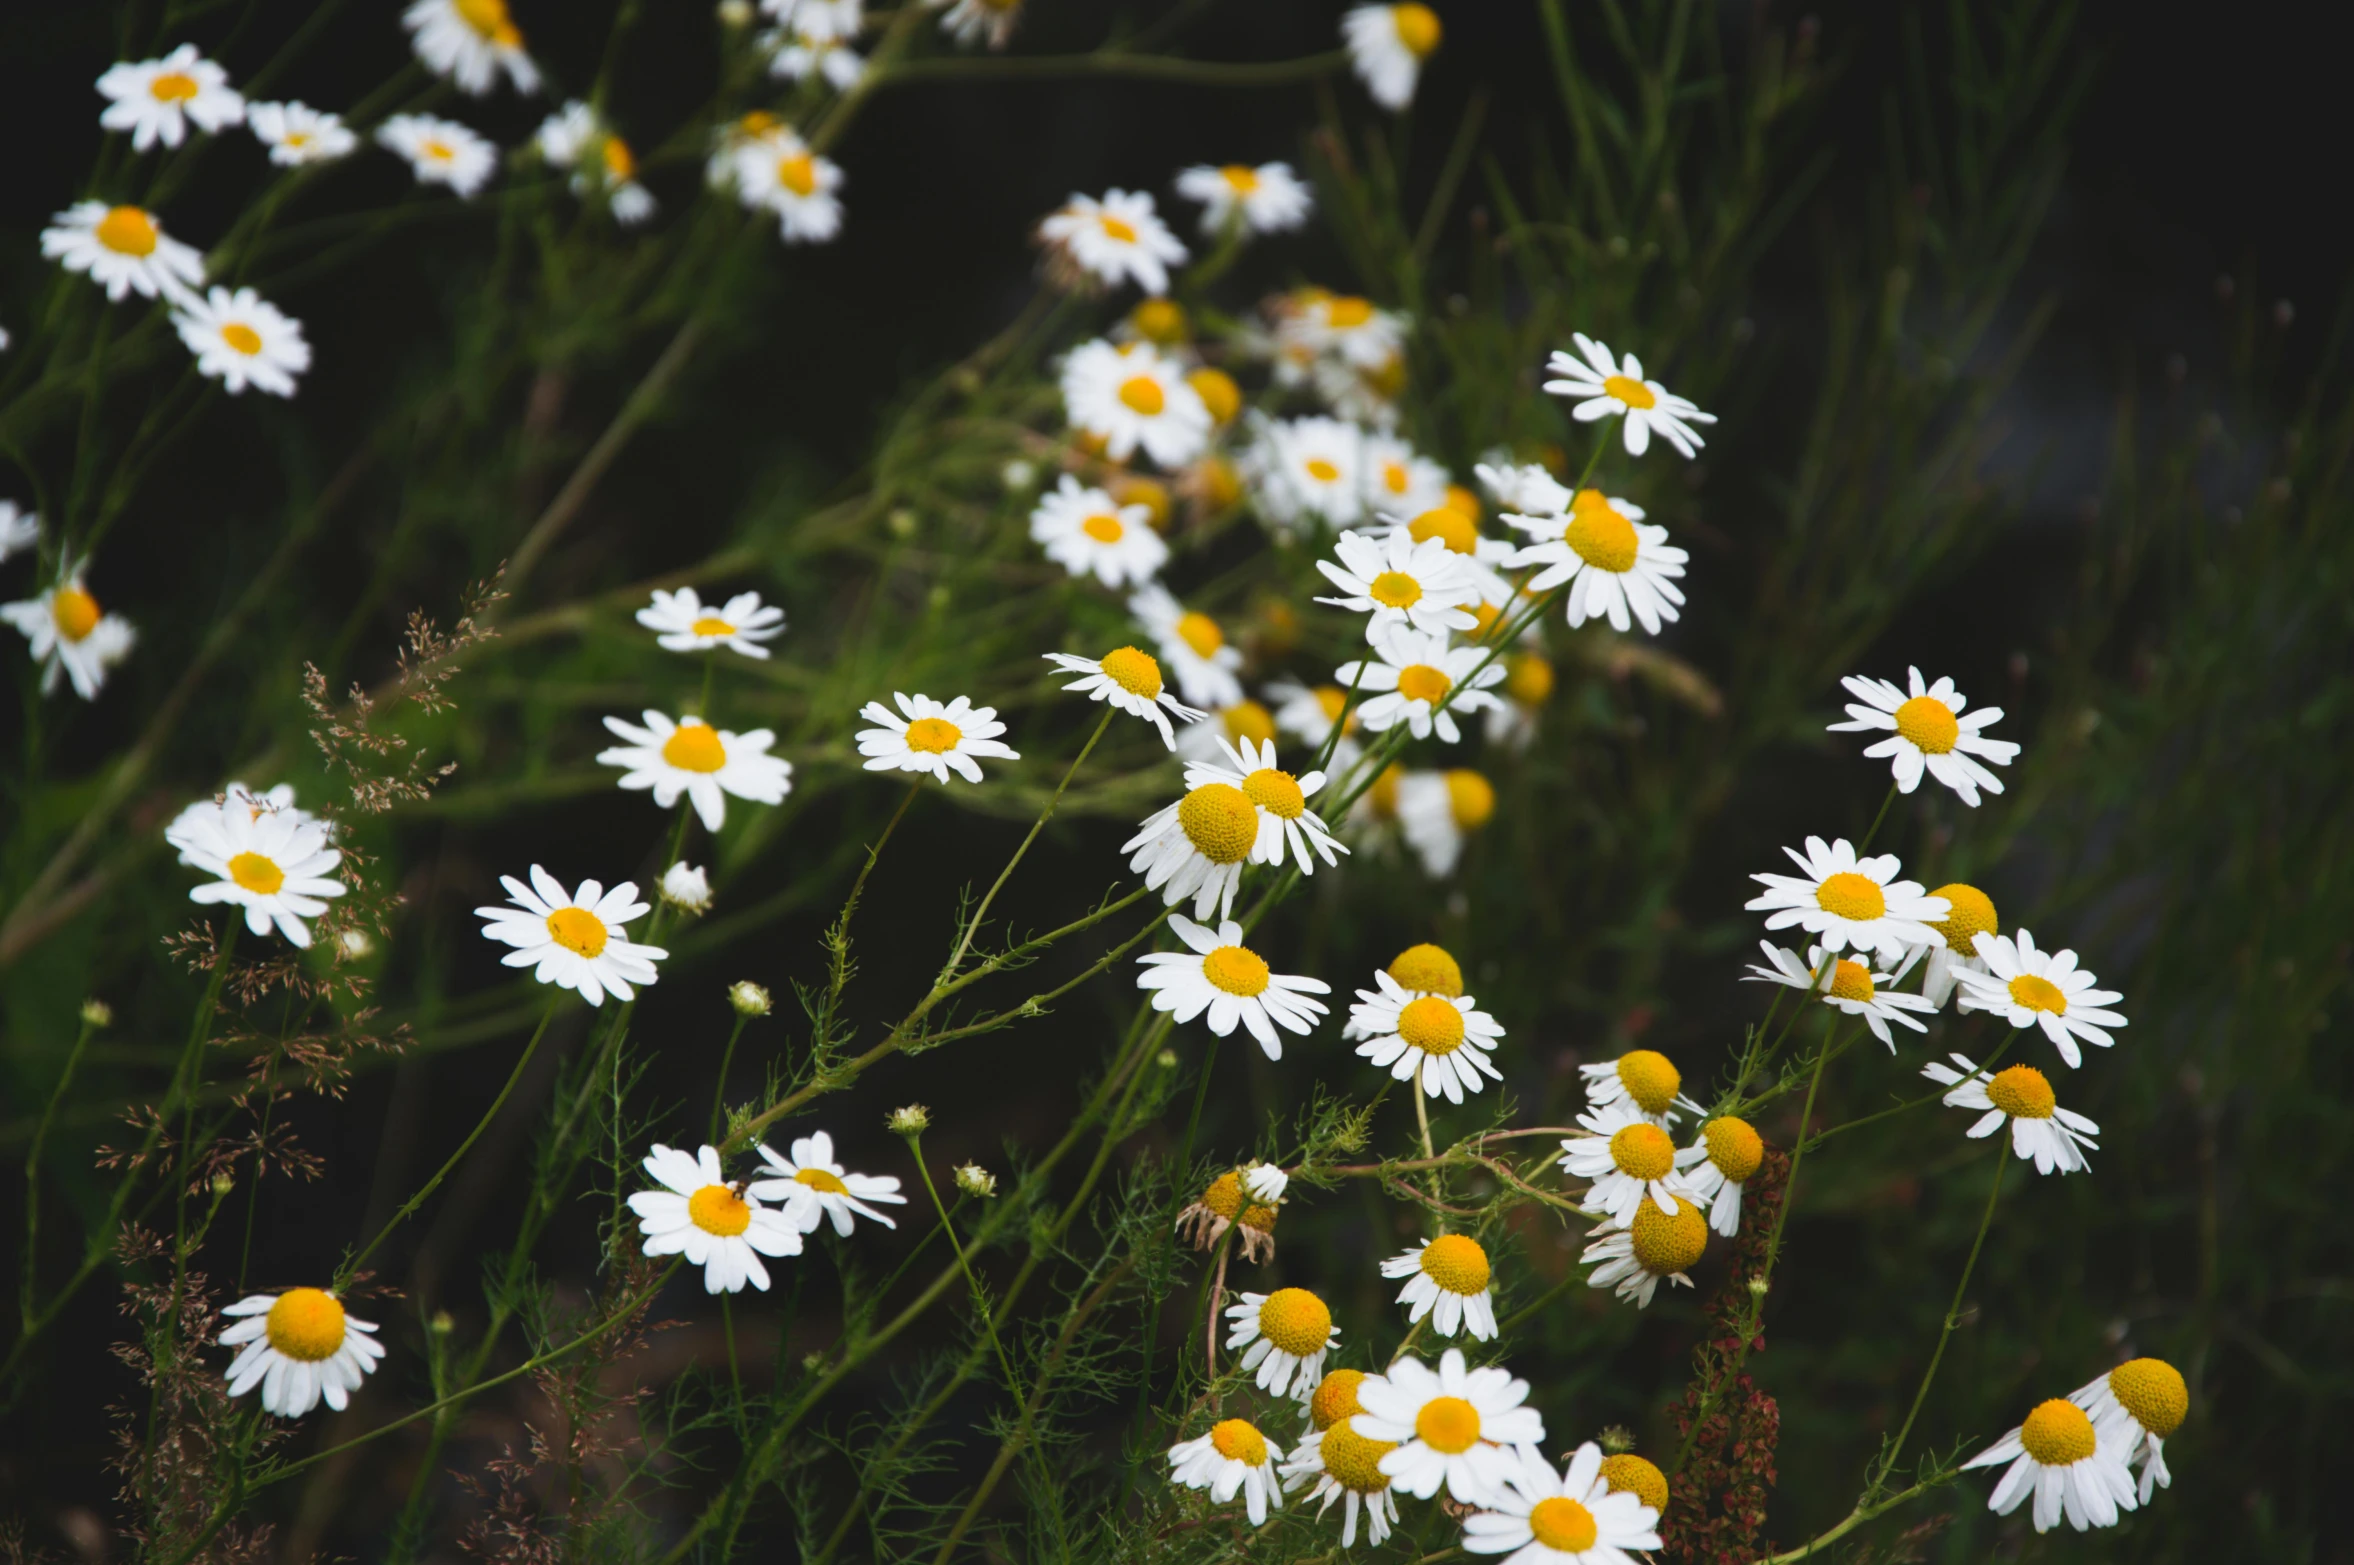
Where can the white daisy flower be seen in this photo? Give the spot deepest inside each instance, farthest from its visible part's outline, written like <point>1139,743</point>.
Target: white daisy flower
<point>1267,199</point>
<point>2027,987</point>
<point>1312,468</point>
<point>439,151</point>
<point>157,100</point>
<point>2042,1132</point>
<point>301,1348</point>
<point>702,1215</point>
<point>1217,973</point>
<point>234,799</point>
<point>989,22</point>
<point>1316,325</point>
<point>2143,1401</point>
<point>779,173</point>
<point>1476,556</point>
<point>1931,734</point>
<point>818,18</point>
<point>470,42</point>
<point>1447,1038</point>
<point>756,133</point>
<point>1287,1332</point>
<point>1418,672</point>
<point>1234,1457</point>
<point>1197,847</point>
<point>1627,1158</point>
<point>687,887</point>
<point>272,863</point>
<point>1645,1078</point>
<point>798,56</point>
<point>1118,238</point>
<point>1398,581</point>
<point>574,941</point>
<point>1387,45</point>
<point>1525,487</point>
<point>1656,1246</point>
<point>1398,479</point>
<point>1265,1182</point>
<point>1845,985</point>
<point>814,1187</point>
<point>1334,1462</point>
<point>1129,680</point>
<point>925,735</point>
<point>1620,568</point>
<point>573,138</point>
<point>19,529</point>
<point>68,634</point>
<point>1457,1426</point>
<point>122,248</point>
<point>706,764</point>
<point>241,339</point>
<point>1308,715</point>
<point>1083,530</point>
<point>684,623</point>
<point>2073,1469</point>
<point>1617,386</point>
<point>1438,812</point>
<point>1717,1167</point>
<point>1285,821</point>
<point>1191,646</point>
<point>297,134</point>
<point>1973,914</point>
<point>1849,902</point>
<point>1224,1204</point>
<point>1448,1281</point>
<point>1131,395</point>
<point>1574,1517</point>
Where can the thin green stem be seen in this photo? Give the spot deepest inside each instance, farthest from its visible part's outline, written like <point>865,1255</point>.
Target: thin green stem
<point>65,1079</point>
<point>915,1148</point>
<point>972,926</point>
<point>1953,1317</point>
<point>727,1058</point>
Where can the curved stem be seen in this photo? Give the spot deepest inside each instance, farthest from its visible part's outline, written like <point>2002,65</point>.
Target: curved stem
<point>973,925</point>
<point>1953,1317</point>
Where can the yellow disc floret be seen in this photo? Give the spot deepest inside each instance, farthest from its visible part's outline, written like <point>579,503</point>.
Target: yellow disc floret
<point>2023,1092</point>
<point>1431,1024</point>
<point>1850,981</point>
<point>1428,969</point>
<point>1851,896</point>
<point>1159,320</point>
<point>1666,1244</point>
<point>1418,30</point>
<point>1627,1473</point>
<point>1142,394</point>
<point>1296,1321</point>
<point>242,337</point>
<point>489,18</point>
<point>718,1209</point>
<point>1335,1397</point>
<point>578,930</point>
<point>1447,524</point>
<point>1104,528</point>
<point>1238,1440</point>
<point>1421,682</point>
<point>1276,792</point>
<point>1218,392</point>
<point>1355,1461</point>
<point>1248,720</point>
<point>1115,228</point>
<point>1201,633</point>
<point>1448,1424</point>
<point>818,1179</point>
<point>1224,1196</point>
<point>1456,1263</point>
<point>1642,1151</point>
<point>694,747</point>
<point>306,1324</point>
<point>1151,493</point>
<point>257,873</point>
<point>1348,311</point>
<point>1220,821</point>
<point>1734,1146</point>
<point>798,173</point>
<point>1238,970</point>
<point>127,231</point>
<point>933,735</point>
<point>74,612</point>
<point>1394,590</point>
<point>1972,916</point>
<point>1528,678</point>
<point>1133,671</point>
<point>1602,538</point>
<point>711,625</point>
<point>173,87</point>
<point>2057,1434</point>
<point>1929,723</point>
<point>2152,1390</point>
<point>1629,391</point>
<point>1563,1524</point>
<point>1471,798</point>
<point>1650,1079</point>
<point>2038,994</point>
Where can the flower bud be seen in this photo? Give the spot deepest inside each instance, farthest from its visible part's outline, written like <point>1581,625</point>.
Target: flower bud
<point>358,945</point>
<point>975,1180</point>
<point>687,888</point>
<point>912,1120</point>
<point>97,1014</point>
<point>736,14</point>
<point>442,1324</point>
<point>748,998</point>
<point>222,1185</point>
<point>1166,1059</point>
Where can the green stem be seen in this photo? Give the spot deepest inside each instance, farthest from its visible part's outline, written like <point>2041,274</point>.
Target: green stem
<point>1953,1318</point>
<point>964,1264</point>
<point>1873,830</point>
<point>33,1175</point>
<point>972,926</point>
<point>727,1057</point>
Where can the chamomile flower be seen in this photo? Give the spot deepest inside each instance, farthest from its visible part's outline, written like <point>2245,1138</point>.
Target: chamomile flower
<point>1245,721</point>
<point>1845,985</point>
<point>1446,1038</point>
<point>1307,714</point>
<point>989,22</point>
<point>684,623</point>
<point>1234,1457</point>
<point>1973,915</point>
<point>1627,1473</point>
<point>814,1187</point>
<point>1628,1159</point>
<point>301,1348</point>
<point>1387,45</point>
<point>123,249</point>
<point>1267,199</point>
<point>1218,974</point>
<point>1116,239</point>
<point>1931,733</point>
<point>799,56</point>
<point>1718,1165</point>
<point>1129,681</point>
<point>1191,646</point>
<point>1456,1426</point>
<point>706,764</point>
<point>439,151</point>
<point>297,134</point>
<point>1416,673</point>
<point>1226,1204</point>
<point>2042,1132</point>
<point>470,42</point>
<point>1130,395</point>
<point>271,863</point>
<point>234,799</point>
<point>68,634</point>
<point>1447,1280</point>
<point>1334,1462</point>
<point>1286,824</point>
<point>1657,1246</point>
<point>1476,556</point>
<point>1438,812</point>
<point>1574,1517</point>
<point>2060,1457</point>
<point>1398,581</point>
<point>1313,469</point>
<point>701,1214</point>
<point>1618,567</point>
<point>687,887</point>
<point>19,529</point>
<point>1336,326</point>
<point>1398,479</point>
<point>573,138</point>
<point>240,339</point>
<point>1197,847</point>
<point>779,173</point>
<point>1849,902</point>
<point>573,940</point>
<point>157,100</point>
<point>2031,988</point>
<point>925,735</point>
<point>819,18</point>
<point>1265,1182</point>
<point>2143,1401</point>
<point>756,133</point>
<point>1645,1078</point>
<point>1287,1334</point>
<point>1609,387</point>
<point>1084,531</point>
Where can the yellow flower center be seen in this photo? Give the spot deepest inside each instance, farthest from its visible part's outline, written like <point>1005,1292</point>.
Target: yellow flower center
<point>798,173</point>
<point>1218,392</point>
<point>1734,1146</point>
<point>1322,471</point>
<point>1200,632</point>
<point>1428,969</point>
<point>1421,682</point>
<point>1561,1523</point>
<point>1240,179</point>
<point>933,735</point>
<point>127,231</point>
<point>819,1180</point>
<point>1471,798</point>
<point>711,625</point>
<point>297,139</point>
<point>1929,724</point>
<point>433,151</point>
<point>717,1209</point>
<point>1528,679</point>
<point>1348,311</point>
<point>1664,1244</point>
<point>1455,1261</point>
<point>1850,981</point>
<point>1355,1461</point>
<point>1276,792</point>
<point>1627,1473</point>
<point>306,1324</point>
<point>1387,381</point>
<point>74,612</point>
<point>2153,1392</point>
<point>1852,896</point>
<point>1462,500</point>
<point>1335,1398</point>
<point>1602,537</point>
<point>173,87</point>
<point>1972,915</point>
<point>757,123</point>
<point>1220,821</point>
<point>1431,1024</point>
<point>2058,1434</point>
<point>1159,320</point>
<point>694,747</point>
<point>2038,994</point>
<point>257,873</point>
<point>1150,493</point>
<point>1333,699</point>
<point>1248,720</point>
<point>1224,1196</point>
<point>1132,670</point>
<point>1104,528</point>
<point>1382,797</point>
<point>1395,476</point>
<point>1236,969</point>
<point>1394,590</point>
<point>579,930</point>
<point>489,19</point>
<point>1143,394</point>
<point>1650,1079</point>
<point>1631,392</point>
<point>242,337</point>
<point>1448,1424</point>
<point>2023,1092</point>
<point>620,163</point>
<point>1642,1151</point>
<point>1446,524</point>
<point>1260,1217</point>
<point>1238,1440</point>
<point>1116,229</point>
<point>1296,1321</point>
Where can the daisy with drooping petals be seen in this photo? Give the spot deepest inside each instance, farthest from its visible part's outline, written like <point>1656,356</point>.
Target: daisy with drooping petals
<point>2042,1132</point>
<point>1341,1464</point>
<point>1446,1038</point>
<point>574,941</point>
<point>1226,1204</point>
<point>1130,395</point>
<point>989,22</point>
<point>1312,468</point>
<point>1658,1246</point>
<point>272,863</point>
<point>297,134</point>
<point>1387,45</point>
<point>1233,1457</point>
<point>2136,1406</point>
<point>241,339</point>
<point>1398,581</point>
<point>1218,974</point>
<point>1628,1160</point>
<point>701,1215</point>
<point>1398,479</point>
<point>1083,530</point>
<point>1448,1281</point>
<point>70,636</point>
<point>814,1187</point>
<point>1129,681</point>
<point>1645,1078</point>
<point>470,42</point>
<point>2058,1455</point>
<point>1191,646</point>
<point>439,151</point>
<point>1618,567</point>
<point>1574,1517</point>
<point>301,1348</point>
<point>1456,1426</point>
<point>1438,812</point>
<point>1286,824</point>
<point>1110,241</point>
<point>1197,847</point>
<point>706,764</point>
<point>157,100</point>
<point>1931,734</point>
<point>2046,989</point>
<point>1265,1182</point>
<point>1417,673</point>
<point>1845,986</point>
<point>1287,1333</point>
<point>779,173</point>
<point>122,248</point>
<point>1718,1165</point>
<point>925,735</point>
<point>1850,902</point>
<point>574,138</point>
<point>1264,200</point>
<point>1973,914</point>
<point>684,623</point>
<point>1616,386</point>
<point>799,56</point>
